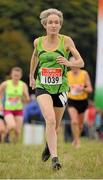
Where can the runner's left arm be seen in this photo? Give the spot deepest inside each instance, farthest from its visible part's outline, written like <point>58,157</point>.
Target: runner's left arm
<point>70,47</point>
<point>2,91</point>
<point>26,97</point>
<point>88,86</point>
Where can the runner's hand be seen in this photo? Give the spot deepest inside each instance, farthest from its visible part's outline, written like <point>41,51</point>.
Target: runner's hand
<point>1,107</point>
<point>63,61</point>
<point>32,82</point>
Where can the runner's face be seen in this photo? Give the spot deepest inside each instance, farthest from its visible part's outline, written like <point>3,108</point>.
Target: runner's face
<point>53,24</point>
<point>16,75</point>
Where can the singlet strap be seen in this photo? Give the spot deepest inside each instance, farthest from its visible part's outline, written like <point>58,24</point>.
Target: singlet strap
<point>39,45</point>
<point>61,45</point>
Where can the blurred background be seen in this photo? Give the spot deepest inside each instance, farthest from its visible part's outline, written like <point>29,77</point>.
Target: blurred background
<point>20,25</point>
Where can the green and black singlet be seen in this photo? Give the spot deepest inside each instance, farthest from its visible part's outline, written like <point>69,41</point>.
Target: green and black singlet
<point>52,76</point>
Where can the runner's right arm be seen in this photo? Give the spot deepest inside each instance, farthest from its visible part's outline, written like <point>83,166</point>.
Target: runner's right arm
<point>33,64</point>
<point>2,91</point>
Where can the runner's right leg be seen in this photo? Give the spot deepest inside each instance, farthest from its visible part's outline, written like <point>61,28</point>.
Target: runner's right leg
<point>46,105</point>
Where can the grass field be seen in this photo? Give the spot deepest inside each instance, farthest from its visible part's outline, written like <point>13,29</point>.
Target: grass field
<point>21,161</point>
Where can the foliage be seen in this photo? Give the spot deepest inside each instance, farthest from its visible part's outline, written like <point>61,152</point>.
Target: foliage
<point>15,51</point>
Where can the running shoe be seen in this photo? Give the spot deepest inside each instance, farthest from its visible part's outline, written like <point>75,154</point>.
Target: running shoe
<point>55,163</point>
<point>45,153</point>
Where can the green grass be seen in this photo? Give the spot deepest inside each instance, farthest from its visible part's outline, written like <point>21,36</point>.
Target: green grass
<point>20,161</point>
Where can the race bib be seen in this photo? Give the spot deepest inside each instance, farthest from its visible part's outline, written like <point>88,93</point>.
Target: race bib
<point>51,76</point>
<point>76,89</point>
<point>12,101</point>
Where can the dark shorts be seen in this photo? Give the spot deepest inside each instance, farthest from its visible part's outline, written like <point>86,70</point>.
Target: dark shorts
<point>1,117</point>
<point>79,105</point>
<point>59,100</point>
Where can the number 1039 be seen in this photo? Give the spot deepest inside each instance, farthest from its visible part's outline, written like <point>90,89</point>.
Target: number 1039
<point>51,80</point>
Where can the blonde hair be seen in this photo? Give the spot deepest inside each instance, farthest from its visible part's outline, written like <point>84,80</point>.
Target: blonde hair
<point>44,15</point>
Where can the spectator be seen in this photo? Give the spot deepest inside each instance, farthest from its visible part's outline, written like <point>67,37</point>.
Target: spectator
<point>101,127</point>
<point>98,123</point>
<point>32,111</point>
<point>91,118</point>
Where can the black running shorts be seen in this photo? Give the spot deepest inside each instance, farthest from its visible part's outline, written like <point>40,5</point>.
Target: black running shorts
<point>79,105</point>
<point>59,100</point>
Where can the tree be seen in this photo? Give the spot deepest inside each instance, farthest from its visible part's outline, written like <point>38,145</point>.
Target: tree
<point>15,51</point>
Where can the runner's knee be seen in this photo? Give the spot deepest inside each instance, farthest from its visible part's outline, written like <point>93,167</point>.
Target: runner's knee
<point>11,126</point>
<point>50,122</point>
<point>74,123</point>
